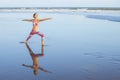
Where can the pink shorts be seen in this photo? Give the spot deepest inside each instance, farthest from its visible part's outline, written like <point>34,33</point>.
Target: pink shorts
<point>36,32</point>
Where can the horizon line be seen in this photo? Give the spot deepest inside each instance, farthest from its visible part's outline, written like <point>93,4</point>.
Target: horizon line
<point>57,7</point>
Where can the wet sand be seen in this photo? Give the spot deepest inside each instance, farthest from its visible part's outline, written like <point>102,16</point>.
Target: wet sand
<point>76,48</point>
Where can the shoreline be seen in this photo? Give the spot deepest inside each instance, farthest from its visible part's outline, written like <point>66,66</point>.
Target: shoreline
<point>109,8</point>
<point>60,9</point>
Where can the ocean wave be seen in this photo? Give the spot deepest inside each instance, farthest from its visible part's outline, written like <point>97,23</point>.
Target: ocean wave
<point>105,17</point>
<point>76,9</point>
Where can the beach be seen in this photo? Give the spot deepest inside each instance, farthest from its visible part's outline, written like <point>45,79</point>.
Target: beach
<point>78,46</point>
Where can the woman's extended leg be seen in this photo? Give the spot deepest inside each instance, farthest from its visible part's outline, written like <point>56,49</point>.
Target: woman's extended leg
<point>28,38</point>
<point>30,35</point>
<point>42,40</point>
<point>42,37</point>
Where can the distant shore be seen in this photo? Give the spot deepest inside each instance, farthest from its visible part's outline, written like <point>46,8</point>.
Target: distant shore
<point>59,9</point>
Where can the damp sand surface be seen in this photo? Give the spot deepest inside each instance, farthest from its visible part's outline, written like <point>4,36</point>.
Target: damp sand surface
<point>77,47</point>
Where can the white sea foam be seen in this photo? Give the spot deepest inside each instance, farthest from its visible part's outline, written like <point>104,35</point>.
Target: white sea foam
<point>57,10</point>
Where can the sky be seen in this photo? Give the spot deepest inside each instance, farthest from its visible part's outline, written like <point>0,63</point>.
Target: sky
<point>59,3</point>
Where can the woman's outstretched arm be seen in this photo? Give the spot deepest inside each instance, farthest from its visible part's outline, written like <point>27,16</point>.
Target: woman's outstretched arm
<point>28,20</point>
<point>45,19</point>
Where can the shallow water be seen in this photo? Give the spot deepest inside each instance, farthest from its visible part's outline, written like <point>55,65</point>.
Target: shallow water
<point>76,48</point>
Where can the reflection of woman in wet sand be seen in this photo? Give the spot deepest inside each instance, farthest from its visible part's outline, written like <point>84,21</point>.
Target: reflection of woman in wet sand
<point>35,29</point>
<point>35,58</point>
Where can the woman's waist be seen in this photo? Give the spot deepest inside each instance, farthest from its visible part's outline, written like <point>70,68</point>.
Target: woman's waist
<point>35,28</point>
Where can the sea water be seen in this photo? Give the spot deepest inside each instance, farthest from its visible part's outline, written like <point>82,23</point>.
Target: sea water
<point>77,47</point>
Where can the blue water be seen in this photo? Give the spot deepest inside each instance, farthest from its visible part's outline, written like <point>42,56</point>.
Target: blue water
<point>76,47</point>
